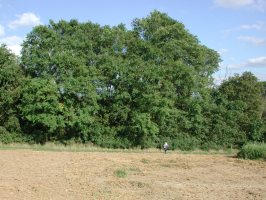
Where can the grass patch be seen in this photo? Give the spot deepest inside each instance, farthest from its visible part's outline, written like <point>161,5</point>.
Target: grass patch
<point>48,147</point>
<point>124,172</point>
<point>253,151</point>
<point>77,147</point>
<point>121,173</point>
<point>228,151</point>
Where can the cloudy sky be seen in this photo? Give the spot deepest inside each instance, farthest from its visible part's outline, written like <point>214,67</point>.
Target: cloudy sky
<point>234,28</point>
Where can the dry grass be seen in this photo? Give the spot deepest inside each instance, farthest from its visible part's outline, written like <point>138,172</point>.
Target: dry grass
<point>27,174</point>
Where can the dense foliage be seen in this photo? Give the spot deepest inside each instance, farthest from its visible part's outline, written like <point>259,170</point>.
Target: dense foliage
<point>124,88</point>
<point>253,151</point>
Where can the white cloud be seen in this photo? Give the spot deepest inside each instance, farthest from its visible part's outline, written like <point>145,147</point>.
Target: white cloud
<point>11,40</point>
<point>252,62</point>
<point>253,40</point>
<point>13,43</point>
<point>2,30</point>
<point>256,26</point>
<point>257,62</point>
<point>233,3</point>
<point>25,19</point>
<point>255,4</point>
<point>260,5</point>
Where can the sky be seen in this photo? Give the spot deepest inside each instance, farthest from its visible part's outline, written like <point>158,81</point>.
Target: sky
<point>236,29</point>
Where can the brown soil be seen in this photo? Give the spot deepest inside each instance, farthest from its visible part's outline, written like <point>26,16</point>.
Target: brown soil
<point>26,174</point>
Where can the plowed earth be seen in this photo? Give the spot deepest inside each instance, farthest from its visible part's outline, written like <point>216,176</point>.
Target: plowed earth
<point>26,174</point>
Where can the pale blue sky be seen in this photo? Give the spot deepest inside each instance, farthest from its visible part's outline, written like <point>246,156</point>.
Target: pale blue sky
<point>234,28</point>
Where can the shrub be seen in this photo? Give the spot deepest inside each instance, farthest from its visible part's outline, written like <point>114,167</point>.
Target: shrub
<point>253,151</point>
<point>206,146</point>
<point>7,137</point>
<point>184,143</point>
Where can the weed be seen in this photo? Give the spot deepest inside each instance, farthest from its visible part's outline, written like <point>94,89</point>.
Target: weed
<point>121,173</point>
<point>140,185</point>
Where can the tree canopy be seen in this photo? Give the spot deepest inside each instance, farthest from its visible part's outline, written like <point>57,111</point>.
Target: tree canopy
<point>125,88</point>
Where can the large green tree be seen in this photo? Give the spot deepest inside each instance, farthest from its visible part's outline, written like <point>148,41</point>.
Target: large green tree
<point>125,88</point>
<point>178,70</point>
<point>60,53</point>
<point>130,87</point>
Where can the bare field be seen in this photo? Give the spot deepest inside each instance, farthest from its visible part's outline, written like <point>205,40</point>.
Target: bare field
<point>27,174</point>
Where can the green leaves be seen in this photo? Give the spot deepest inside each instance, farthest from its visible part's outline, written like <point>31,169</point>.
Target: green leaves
<point>11,80</point>
<point>40,107</point>
<point>243,94</point>
<point>124,88</point>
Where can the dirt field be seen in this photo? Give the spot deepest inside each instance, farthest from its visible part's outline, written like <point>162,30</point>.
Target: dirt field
<point>26,174</point>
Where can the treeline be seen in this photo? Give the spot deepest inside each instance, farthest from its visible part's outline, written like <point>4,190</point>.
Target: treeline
<point>119,88</point>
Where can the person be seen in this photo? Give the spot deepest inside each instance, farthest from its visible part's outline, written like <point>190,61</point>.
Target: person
<point>165,147</point>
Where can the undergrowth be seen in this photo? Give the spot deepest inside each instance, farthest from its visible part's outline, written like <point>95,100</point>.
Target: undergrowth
<point>253,151</point>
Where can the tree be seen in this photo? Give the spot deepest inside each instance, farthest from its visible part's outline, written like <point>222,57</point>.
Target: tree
<point>243,93</point>
<point>41,110</point>
<point>264,99</point>
<point>134,87</point>
<point>62,54</point>
<point>264,108</point>
<point>178,70</point>
<point>11,79</point>
<point>126,88</point>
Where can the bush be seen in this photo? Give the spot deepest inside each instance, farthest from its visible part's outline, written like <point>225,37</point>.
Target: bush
<point>206,146</point>
<point>253,151</point>
<point>7,137</point>
<point>184,142</point>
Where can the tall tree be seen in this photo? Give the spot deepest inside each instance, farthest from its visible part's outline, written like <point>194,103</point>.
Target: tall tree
<point>60,53</point>
<point>182,73</point>
<point>131,87</point>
